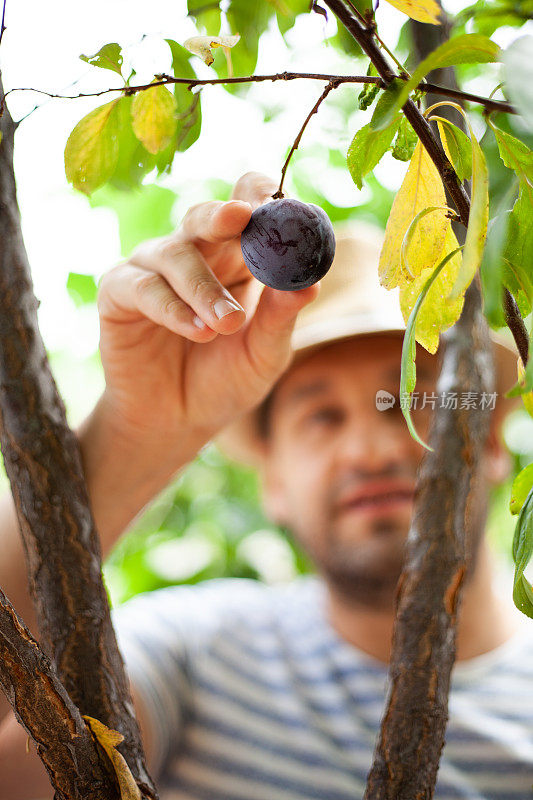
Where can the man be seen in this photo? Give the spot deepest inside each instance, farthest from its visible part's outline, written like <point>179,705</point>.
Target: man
<point>249,691</point>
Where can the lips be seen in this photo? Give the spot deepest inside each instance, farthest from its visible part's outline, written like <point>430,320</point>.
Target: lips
<point>377,497</point>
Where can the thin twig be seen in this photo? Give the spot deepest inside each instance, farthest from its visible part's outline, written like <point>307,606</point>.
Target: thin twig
<point>515,323</point>
<point>331,85</point>
<point>459,94</point>
<point>2,25</point>
<point>488,103</point>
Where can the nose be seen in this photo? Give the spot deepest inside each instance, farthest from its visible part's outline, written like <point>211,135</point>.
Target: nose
<point>371,443</point>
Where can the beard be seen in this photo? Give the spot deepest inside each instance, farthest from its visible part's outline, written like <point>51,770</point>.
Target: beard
<point>362,562</point>
<point>365,572</point>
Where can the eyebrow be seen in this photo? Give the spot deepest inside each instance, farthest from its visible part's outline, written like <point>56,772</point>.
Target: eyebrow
<point>307,390</point>
<point>320,386</point>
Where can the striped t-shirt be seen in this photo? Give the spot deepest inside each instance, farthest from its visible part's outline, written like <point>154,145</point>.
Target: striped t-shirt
<point>253,696</point>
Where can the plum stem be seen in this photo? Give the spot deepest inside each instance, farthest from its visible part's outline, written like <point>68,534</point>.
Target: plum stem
<point>331,85</point>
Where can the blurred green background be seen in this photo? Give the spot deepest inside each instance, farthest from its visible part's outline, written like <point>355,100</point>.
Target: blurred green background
<point>209,522</point>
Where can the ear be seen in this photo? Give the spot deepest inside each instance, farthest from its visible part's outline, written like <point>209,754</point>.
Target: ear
<point>498,462</point>
<point>273,497</point>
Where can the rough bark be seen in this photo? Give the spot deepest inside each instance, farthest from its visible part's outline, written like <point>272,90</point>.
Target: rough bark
<point>409,746</point>
<point>41,704</point>
<point>43,462</point>
<point>407,754</point>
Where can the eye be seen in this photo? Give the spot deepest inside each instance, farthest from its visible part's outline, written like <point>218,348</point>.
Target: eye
<point>326,415</point>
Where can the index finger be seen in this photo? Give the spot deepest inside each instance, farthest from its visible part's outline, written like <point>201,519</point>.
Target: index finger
<point>254,188</point>
<point>214,221</point>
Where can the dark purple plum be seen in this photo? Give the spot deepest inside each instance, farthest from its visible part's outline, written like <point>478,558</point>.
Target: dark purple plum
<point>288,244</point>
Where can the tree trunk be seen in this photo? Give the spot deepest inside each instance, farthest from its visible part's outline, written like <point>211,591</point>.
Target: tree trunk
<point>41,704</point>
<point>43,463</point>
<point>409,746</point>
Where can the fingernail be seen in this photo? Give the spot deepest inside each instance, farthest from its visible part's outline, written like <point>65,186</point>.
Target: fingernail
<point>224,307</point>
<point>198,322</point>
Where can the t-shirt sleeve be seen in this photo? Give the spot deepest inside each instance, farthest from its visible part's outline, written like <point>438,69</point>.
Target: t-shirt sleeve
<point>152,635</point>
<point>162,636</point>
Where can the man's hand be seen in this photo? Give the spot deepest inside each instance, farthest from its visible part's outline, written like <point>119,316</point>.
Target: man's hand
<point>189,339</point>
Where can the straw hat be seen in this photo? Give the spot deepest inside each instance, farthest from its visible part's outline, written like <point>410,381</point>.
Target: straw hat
<point>351,302</point>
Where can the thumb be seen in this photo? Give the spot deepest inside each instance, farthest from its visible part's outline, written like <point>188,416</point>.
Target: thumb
<point>268,335</point>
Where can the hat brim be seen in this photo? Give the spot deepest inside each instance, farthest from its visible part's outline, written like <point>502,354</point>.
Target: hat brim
<point>241,440</point>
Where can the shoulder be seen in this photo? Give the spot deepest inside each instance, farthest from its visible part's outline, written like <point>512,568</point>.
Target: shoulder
<point>197,612</point>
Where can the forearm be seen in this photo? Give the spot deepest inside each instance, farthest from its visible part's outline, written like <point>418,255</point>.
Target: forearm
<point>123,472</point>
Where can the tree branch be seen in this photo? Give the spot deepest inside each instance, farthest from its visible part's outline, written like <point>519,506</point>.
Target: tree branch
<point>43,462</point>
<point>2,24</point>
<point>488,103</point>
<point>439,545</point>
<point>411,739</point>
<point>516,325</point>
<point>42,706</point>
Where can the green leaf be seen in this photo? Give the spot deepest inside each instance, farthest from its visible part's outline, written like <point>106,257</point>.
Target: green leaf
<point>134,160</point>
<point>518,75</point>
<point>470,48</point>
<point>491,269</point>
<point>522,485</point>
<point>522,551</point>
<point>91,151</point>
<point>81,288</point>
<point>408,369</point>
<point>108,57</point>
<point>518,251</point>
<point>367,148</point>
<point>477,223</point>
<point>250,20</point>
<point>205,15</point>
<point>458,148</point>
<point>287,11</point>
<point>406,140</point>
<point>387,106</point>
<point>153,114</point>
<point>188,107</point>
<point>515,154</point>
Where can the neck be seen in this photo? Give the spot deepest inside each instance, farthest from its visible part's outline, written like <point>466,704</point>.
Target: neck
<point>486,618</point>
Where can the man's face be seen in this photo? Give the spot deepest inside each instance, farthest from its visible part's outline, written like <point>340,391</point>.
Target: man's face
<point>340,472</point>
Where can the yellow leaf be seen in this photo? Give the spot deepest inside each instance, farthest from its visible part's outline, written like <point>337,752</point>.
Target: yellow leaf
<point>527,398</point>
<point>421,187</point>
<point>91,151</point>
<point>421,10</point>
<point>202,45</point>
<point>477,223</point>
<point>109,739</point>
<point>436,313</point>
<point>153,114</point>
<point>478,220</point>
